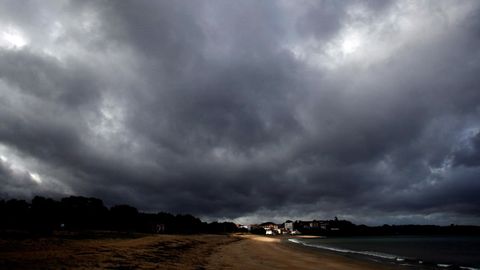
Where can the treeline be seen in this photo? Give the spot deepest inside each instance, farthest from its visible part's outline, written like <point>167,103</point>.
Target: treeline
<point>46,215</point>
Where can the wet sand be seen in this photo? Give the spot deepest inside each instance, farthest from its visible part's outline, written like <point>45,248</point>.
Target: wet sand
<point>259,252</point>
<point>111,251</point>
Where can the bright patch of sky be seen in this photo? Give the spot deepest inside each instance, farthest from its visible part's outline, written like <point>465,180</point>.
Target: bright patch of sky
<point>23,168</point>
<point>364,44</point>
<point>12,38</point>
<point>17,165</point>
<point>36,177</point>
<point>107,124</point>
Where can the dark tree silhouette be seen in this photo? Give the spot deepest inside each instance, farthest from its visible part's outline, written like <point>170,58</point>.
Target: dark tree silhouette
<point>16,214</point>
<point>83,213</point>
<point>45,215</point>
<point>124,217</point>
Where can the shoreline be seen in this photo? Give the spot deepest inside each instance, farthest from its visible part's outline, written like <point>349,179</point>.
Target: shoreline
<point>262,252</point>
<point>383,258</point>
<point>109,250</point>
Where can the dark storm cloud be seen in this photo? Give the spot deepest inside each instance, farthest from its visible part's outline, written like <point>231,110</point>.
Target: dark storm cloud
<point>245,109</point>
<point>470,155</point>
<point>324,18</point>
<point>45,78</point>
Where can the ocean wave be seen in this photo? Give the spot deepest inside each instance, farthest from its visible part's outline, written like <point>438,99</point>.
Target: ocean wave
<point>373,254</point>
<point>444,265</point>
<point>341,250</point>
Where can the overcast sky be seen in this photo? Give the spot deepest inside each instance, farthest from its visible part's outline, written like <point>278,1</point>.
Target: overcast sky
<point>246,110</point>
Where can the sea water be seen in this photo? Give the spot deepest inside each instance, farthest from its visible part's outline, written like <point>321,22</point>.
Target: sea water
<point>440,251</point>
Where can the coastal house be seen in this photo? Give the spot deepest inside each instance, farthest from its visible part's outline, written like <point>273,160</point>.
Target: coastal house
<point>324,225</point>
<point>288,226</point>
<point>269,226</point>
<point>312,225</point>
<point>320,227</point>
<point>246,227</point>
<point>159,228</point>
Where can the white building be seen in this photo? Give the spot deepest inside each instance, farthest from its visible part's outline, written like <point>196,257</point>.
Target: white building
<point>289,225</point>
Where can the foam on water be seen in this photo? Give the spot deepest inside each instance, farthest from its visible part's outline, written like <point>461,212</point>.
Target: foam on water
<point>372,254</point>
<point>341,250</point>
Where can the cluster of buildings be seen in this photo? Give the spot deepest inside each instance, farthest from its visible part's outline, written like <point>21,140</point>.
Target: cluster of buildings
<point>293,227</point>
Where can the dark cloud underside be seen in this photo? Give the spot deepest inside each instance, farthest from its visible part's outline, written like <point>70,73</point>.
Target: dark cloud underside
<point>229,109</point>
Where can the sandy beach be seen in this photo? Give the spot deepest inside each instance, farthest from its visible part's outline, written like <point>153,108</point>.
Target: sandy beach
<point>169,252</point>
<point>260,252</point>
